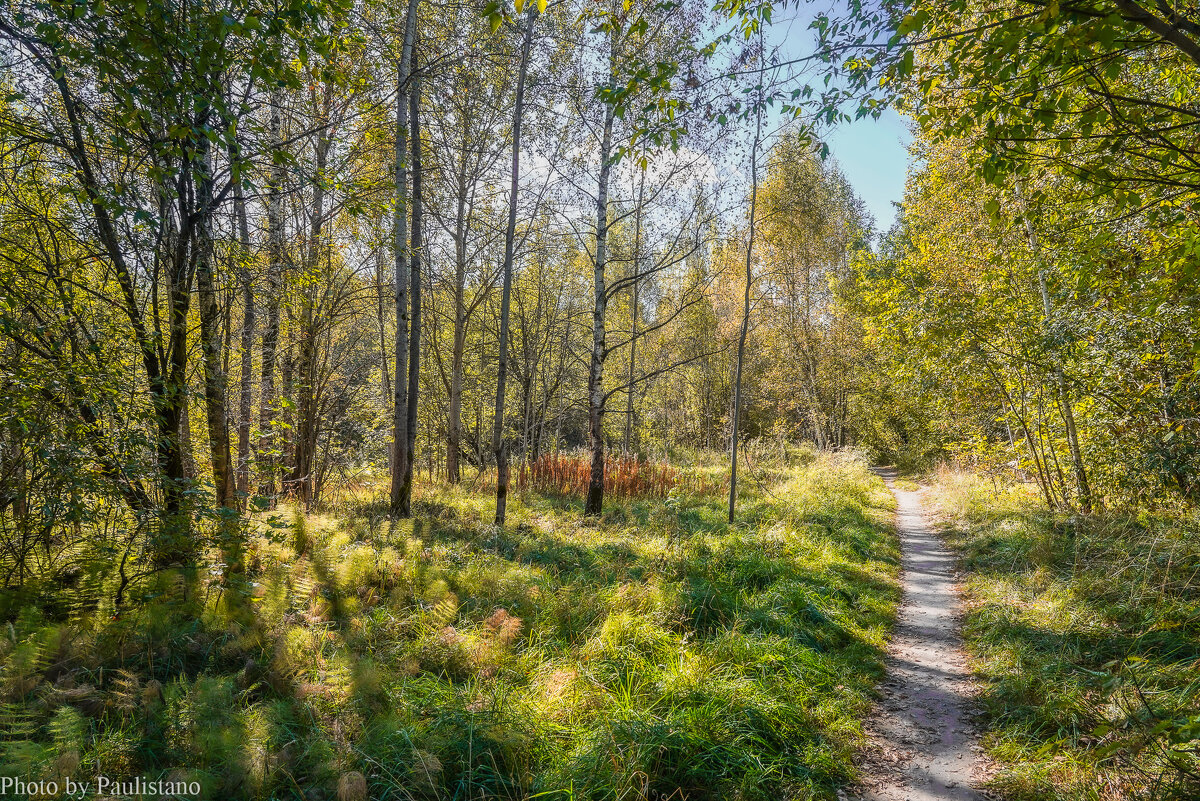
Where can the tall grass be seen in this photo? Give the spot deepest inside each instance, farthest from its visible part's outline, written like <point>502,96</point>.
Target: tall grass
<point>1086,635</point>
<point>656,652</point>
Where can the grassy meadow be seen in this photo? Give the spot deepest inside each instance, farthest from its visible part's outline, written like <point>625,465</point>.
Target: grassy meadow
<point>1085,635</point>
<point>654,653</point>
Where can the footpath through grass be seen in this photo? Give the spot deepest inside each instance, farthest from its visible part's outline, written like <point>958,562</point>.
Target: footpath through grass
<point>654,653</point>
<point>1086,636</point>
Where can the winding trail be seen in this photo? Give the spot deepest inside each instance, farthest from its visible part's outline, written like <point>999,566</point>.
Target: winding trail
<point>923,745</point>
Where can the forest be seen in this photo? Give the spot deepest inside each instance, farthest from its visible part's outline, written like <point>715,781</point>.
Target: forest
<point>472,399</point>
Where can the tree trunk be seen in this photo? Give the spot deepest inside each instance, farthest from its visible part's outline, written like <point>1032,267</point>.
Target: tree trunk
<point>305,442</point>
<point>210,347</point>
<point>1043,479</point>
<point>173,546</point>
<point>381,319</point>
<point>287,392</point>
<point>414,339</point>
<point>633,315</point>
<point>499,446</point>
<point>595,495</point>
<point>401,490</point>
<point>1064,399</point>
<point>741,352</point>
<point>147,342</point>
<point>454,429</point>
<point>266,458</point>
<point>245,382</point>
<point>186,453</point>
<point>1068,415</point>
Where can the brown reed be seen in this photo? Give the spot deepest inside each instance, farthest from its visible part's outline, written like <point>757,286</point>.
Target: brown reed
<point>624,477</point>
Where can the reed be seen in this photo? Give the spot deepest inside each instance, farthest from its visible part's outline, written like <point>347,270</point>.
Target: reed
<point>624,477</point>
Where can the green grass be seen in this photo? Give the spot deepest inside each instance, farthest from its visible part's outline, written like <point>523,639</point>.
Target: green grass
<point>1086,636</point>
<point>654,653</point>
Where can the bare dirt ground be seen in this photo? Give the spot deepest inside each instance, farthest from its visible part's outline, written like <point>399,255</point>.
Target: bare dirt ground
<point>923,744</point>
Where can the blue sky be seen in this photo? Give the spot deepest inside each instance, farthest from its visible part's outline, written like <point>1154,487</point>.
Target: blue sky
<point>873,154</point>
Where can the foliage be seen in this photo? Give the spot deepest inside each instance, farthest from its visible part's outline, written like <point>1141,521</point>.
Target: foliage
<point>205,324</point>
<point>952,305</point>
<point>1096,90</point>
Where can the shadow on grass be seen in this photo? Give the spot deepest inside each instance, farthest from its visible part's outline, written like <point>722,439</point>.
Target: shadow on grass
<point>1086,635</point>
<point>657,653</point>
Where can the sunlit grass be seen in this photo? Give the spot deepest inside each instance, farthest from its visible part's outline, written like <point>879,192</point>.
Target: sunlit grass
<point>1086,635</point>
<point>654,652</point>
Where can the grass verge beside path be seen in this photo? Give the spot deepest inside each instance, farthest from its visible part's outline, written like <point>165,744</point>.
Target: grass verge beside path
<point>1086,636</point>
<point>654,653</point>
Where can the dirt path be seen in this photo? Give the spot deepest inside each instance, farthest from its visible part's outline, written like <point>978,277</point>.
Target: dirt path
<point>923,745</point>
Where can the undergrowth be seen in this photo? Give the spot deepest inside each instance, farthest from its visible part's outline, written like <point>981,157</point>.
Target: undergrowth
<point>656,652</point>
<point>1085,633</point>
<point>624,477</point>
